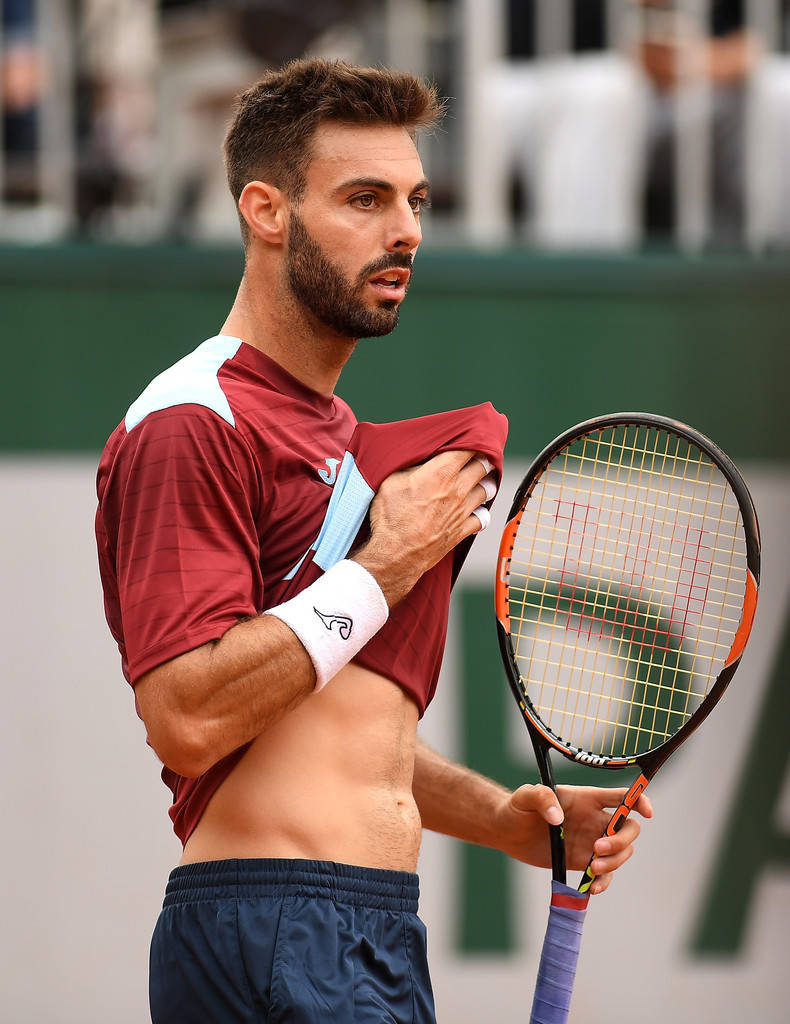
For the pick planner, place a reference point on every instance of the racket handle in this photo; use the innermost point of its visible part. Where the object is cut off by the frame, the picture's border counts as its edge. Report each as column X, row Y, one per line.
column 560, row 953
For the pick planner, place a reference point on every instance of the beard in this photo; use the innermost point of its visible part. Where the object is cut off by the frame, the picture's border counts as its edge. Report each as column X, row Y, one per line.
column 322, row 288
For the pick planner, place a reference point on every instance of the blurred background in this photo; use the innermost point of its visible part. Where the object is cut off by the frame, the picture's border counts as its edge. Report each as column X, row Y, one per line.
column 573, row 123
column 610, row 230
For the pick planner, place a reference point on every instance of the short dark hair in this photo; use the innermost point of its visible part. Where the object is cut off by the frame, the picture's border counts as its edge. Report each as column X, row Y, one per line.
column 271, row 134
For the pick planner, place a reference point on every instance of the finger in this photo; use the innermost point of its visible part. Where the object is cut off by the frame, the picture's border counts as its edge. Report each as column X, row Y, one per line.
column 476, row 522
column 614, row 845
column 601, row 884
column 611, row 852
column 454, row 460
column 611, row 798
column 627, row 833
column 541, row 800
column 612, row 848
column 490, row 486
column 484, row 491
column 606, row 865
column 475, row 470
column 483, row 515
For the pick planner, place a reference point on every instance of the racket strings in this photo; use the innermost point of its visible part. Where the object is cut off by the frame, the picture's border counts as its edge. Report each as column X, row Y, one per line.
column 626, row 587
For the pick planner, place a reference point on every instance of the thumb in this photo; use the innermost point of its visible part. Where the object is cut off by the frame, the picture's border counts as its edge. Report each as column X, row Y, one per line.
column 541, row 800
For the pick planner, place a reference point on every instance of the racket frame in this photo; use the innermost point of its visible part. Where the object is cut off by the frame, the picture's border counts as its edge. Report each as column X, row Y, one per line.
column 543, row 740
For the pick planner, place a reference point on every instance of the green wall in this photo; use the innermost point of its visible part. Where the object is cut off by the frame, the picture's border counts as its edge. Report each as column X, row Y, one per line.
column 550, row 340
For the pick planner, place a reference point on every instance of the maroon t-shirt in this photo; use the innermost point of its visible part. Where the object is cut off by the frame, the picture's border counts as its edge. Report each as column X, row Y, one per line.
column 229, row 487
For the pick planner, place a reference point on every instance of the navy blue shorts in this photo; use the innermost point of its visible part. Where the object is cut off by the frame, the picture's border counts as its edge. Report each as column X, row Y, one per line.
column 300, row 941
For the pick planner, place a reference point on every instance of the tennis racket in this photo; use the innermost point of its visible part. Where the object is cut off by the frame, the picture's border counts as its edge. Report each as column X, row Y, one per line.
column 625, row 593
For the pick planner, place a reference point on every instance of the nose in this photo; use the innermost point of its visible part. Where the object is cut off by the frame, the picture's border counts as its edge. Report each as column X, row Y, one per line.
column 404, row 231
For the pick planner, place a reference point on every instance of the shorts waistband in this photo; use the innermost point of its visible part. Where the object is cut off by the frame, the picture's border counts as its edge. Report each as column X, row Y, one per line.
column 254, row 878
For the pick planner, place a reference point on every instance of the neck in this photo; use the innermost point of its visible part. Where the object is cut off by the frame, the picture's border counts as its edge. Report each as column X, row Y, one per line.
column 272, row 321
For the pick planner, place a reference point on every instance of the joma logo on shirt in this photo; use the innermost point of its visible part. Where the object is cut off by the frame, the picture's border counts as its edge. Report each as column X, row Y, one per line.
column 329, row 475
column 343, row 622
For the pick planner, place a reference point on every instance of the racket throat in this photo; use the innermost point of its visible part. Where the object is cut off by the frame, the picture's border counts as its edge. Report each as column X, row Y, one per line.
column 557, row 840
column 556, row 833
column 616, row 822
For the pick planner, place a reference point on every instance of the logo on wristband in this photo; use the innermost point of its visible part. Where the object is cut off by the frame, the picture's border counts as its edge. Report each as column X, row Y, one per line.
column 343, row 622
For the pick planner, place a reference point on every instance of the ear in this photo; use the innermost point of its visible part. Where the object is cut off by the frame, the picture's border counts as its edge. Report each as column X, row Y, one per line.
column 264, row 208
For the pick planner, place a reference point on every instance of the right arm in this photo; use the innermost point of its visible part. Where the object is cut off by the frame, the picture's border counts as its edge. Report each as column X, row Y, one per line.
column 204, row 704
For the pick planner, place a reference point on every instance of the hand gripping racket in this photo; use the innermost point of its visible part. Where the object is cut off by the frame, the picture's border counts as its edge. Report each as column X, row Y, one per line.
column 625, row 593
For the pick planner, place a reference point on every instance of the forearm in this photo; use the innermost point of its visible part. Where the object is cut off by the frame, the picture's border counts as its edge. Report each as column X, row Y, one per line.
column 212, row 700
column 206, row 703
column 459, row 802
column 455, row 800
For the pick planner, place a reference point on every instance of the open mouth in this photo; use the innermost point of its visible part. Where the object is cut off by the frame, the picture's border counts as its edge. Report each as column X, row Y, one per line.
column 394, row 278
column 391, row 283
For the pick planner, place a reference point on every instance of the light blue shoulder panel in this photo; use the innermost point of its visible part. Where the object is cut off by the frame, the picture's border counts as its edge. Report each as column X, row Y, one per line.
column 190, row 381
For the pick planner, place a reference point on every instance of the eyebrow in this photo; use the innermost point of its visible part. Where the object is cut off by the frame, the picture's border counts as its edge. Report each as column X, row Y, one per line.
column 378, row 183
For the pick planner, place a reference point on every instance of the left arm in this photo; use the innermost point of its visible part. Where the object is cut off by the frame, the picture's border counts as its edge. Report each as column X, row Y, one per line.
column 456, row 801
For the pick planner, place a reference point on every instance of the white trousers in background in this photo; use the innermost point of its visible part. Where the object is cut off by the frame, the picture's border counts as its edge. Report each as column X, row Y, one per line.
column 577, row 131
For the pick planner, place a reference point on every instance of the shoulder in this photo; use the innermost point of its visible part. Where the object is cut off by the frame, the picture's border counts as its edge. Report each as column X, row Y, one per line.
column 193, row 380
column 183, row 425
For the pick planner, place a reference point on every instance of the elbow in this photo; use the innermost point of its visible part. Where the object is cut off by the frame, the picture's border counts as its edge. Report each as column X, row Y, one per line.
column 179, row 732
column 181, row 745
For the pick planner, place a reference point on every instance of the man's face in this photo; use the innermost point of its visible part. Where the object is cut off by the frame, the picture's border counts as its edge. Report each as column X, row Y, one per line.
column 353, row 237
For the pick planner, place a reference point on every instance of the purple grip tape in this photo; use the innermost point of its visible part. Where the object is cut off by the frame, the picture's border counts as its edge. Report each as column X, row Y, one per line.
column 560, row 952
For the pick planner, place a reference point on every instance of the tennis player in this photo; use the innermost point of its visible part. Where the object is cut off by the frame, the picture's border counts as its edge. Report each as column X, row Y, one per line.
column 277, row 578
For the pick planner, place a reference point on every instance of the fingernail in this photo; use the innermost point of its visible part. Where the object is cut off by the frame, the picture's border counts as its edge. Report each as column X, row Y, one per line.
column 554, row 816
column 487, row 466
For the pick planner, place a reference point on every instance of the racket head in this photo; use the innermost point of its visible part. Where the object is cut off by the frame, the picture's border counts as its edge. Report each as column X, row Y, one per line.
column 626, row 586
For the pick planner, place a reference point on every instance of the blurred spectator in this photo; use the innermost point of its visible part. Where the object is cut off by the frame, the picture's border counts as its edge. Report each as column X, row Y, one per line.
column 594, row 133
column 726, row 54
column 280, row 30
column 115, row 116
column 570, row 129
column 274, row 30
column 211, row 52
column 23, row 75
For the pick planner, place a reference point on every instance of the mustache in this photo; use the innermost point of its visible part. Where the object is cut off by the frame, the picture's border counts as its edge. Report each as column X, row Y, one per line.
column 392, row 261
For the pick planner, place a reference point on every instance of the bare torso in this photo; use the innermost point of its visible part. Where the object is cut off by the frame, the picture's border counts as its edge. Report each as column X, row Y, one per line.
column 332, row 780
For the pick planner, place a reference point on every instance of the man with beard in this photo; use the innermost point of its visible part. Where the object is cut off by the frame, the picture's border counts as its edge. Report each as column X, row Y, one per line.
column 282, row 619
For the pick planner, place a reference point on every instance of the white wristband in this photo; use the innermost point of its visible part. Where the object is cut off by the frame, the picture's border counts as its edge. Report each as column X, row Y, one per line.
column 335, row 617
